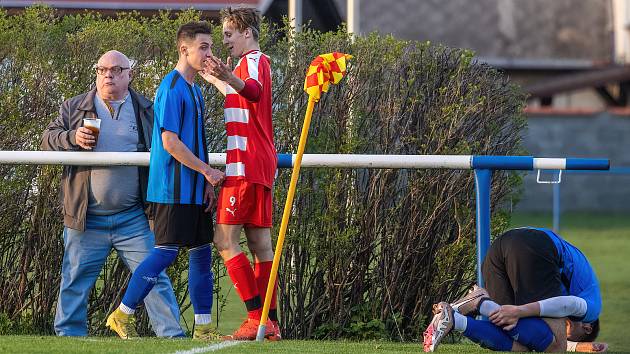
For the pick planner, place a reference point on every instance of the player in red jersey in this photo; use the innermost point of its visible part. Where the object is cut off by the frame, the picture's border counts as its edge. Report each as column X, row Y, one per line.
column 245, row 198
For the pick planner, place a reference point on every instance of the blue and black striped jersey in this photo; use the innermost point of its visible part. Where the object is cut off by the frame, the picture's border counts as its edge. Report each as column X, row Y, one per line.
column 179, row 108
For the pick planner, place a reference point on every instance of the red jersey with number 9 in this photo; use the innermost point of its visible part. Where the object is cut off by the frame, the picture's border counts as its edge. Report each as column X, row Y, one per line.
column 251, row 154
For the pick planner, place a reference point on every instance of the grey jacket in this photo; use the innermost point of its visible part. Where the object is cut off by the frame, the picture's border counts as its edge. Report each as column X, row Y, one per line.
column 60, row 136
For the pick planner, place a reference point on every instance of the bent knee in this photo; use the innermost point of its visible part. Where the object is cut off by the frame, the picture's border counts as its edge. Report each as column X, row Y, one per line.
column 224, row 244
column 259, row 245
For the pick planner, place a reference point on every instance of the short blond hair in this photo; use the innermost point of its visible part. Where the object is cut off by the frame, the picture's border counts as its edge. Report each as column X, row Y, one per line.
column 242, row 18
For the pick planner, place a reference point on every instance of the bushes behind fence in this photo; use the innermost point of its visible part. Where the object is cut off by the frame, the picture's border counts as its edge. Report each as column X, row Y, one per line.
column 367, row 252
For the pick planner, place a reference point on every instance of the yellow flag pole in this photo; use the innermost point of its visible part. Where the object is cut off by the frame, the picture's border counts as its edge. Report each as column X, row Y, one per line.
column 260, row 336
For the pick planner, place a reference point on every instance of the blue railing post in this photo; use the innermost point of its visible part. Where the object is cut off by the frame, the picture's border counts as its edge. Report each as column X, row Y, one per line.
column 556, row 207
column 483, row 178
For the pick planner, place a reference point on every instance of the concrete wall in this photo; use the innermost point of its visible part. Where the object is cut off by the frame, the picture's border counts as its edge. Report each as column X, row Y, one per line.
column 601, row 135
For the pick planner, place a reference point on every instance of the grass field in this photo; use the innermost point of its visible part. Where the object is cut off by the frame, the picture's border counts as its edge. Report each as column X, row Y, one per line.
column 604, row 239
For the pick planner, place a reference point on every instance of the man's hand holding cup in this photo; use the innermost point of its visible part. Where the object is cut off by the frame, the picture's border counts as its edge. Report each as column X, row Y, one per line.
column 87, row 135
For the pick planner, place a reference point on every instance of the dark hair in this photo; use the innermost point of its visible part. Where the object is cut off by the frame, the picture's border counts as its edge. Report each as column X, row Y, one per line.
column 587, row 337
column 190, row 30
column 243, row 18
column 590, row 337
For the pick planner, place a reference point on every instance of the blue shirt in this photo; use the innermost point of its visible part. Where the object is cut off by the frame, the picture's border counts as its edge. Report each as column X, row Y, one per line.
column 178, row 108
column 578, row 277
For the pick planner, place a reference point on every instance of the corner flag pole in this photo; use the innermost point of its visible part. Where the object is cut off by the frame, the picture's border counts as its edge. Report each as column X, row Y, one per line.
column 325, row 69
column 285, row 220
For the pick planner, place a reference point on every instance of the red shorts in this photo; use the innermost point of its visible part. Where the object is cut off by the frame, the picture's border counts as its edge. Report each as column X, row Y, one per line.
column 244, row 203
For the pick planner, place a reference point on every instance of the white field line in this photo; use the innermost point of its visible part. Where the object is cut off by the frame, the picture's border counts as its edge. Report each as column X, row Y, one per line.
column 211, row 348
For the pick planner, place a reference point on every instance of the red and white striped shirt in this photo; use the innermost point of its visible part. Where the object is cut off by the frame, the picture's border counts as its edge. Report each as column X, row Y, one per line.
column 251, row 154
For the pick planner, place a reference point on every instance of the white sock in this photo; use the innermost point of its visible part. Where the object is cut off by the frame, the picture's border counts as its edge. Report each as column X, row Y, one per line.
column 203, row 318
column 460, row 322
column 125, row 309
column 487, row 307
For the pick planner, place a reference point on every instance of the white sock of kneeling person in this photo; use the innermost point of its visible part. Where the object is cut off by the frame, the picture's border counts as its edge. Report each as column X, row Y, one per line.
column 487, row 307
column 460, row 323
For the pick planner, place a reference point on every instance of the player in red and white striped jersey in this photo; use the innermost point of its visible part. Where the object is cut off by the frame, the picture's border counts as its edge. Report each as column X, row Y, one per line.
column 245, row 197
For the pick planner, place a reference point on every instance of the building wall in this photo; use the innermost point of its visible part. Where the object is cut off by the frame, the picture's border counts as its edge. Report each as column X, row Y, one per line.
column 532, row 29
column 602, row 135
column 586, row 99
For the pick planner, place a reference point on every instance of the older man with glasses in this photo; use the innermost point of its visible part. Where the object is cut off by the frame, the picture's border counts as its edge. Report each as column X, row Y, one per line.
column 104, row 207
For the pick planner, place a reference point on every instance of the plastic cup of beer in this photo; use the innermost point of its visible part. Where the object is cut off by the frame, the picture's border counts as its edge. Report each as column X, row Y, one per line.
column 93, row 124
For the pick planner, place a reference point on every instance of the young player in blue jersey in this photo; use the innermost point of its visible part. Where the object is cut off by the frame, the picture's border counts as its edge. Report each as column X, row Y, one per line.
column 571, row 274
column 180, row 187
column 533, row 273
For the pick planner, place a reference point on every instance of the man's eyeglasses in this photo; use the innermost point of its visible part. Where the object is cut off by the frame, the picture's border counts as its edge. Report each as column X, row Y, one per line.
column 115, row 70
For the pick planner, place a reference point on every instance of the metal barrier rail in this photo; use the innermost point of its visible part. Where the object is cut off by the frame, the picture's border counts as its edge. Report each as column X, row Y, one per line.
column 483, row 167
column 463, row 162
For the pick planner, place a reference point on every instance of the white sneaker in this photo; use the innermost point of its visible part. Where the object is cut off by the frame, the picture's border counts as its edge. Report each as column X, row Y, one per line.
column 440, row 326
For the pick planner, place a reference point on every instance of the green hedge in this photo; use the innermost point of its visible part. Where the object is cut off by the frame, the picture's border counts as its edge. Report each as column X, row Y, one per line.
column 367, row 252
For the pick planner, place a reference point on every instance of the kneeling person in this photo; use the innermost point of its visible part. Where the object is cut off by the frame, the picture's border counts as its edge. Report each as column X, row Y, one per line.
column 528, row 334
column 531, row 272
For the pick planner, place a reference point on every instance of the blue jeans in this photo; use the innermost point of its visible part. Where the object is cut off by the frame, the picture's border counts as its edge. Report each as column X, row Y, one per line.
column 84, row 255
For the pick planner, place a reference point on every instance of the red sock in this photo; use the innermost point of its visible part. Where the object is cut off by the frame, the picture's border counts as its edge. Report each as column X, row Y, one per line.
column 242, row 275
column 262, row 272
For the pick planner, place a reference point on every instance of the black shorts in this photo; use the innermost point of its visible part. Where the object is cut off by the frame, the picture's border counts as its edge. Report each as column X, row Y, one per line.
column 181, row 225
column 522, row 266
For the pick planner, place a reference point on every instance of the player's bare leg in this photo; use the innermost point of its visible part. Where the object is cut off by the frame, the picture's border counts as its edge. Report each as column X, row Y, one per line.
column 226, row 240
